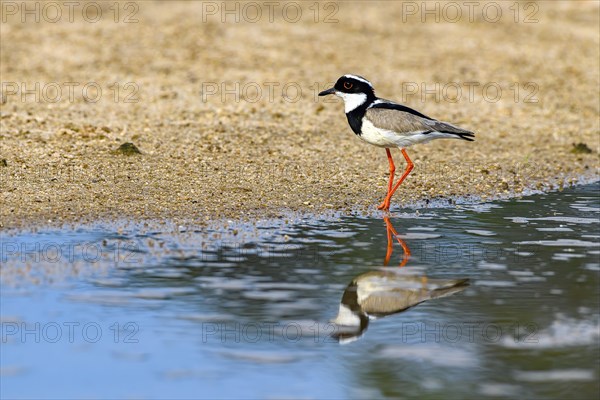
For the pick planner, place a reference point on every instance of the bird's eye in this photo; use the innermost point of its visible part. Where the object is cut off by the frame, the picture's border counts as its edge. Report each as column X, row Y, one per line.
column 347, row 85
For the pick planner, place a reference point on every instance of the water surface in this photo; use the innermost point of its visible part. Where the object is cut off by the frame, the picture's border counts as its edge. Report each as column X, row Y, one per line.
column 149, row 313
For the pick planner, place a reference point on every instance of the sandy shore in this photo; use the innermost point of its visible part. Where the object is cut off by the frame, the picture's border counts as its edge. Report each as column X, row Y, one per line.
column 228, row 123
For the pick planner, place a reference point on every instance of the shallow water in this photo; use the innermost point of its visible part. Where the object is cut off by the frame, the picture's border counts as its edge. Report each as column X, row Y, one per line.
column 146, row 313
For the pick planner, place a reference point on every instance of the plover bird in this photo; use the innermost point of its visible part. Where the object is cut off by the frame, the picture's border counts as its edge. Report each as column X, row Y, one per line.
column 384, row 292
column 386, row 124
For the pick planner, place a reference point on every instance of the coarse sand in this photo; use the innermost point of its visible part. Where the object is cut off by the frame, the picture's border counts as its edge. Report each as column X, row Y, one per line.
column 228, row 124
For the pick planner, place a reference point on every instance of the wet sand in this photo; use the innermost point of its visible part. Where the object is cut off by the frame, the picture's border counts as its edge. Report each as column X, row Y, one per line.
column 229, row 126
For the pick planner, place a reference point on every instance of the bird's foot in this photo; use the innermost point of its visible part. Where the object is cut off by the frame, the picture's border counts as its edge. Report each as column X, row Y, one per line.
column 385, row 205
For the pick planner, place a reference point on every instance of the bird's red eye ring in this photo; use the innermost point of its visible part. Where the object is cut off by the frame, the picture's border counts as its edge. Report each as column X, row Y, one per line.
column 347, row 85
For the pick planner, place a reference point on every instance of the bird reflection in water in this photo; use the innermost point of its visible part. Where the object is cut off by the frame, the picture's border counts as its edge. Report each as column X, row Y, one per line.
column 392, row 234
column 387, row 291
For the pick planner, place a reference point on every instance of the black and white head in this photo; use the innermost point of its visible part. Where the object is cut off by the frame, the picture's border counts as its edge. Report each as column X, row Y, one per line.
column 354, row 90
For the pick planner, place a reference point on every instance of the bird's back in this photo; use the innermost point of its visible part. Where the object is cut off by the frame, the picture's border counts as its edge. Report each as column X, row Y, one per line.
column 405, row 121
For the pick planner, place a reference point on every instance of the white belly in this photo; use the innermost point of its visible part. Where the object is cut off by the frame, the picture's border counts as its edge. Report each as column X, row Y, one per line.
column 386, row 138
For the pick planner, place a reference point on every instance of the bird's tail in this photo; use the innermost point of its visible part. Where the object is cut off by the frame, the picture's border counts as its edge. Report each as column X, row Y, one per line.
column 450, row 287
column 465, row 135
column 452, row 131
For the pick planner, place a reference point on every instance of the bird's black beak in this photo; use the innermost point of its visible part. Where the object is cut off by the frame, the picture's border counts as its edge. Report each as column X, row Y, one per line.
column 326, row 92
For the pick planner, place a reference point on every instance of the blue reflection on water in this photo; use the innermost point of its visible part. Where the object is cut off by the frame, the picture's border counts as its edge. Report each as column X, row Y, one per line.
column 191, row 313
